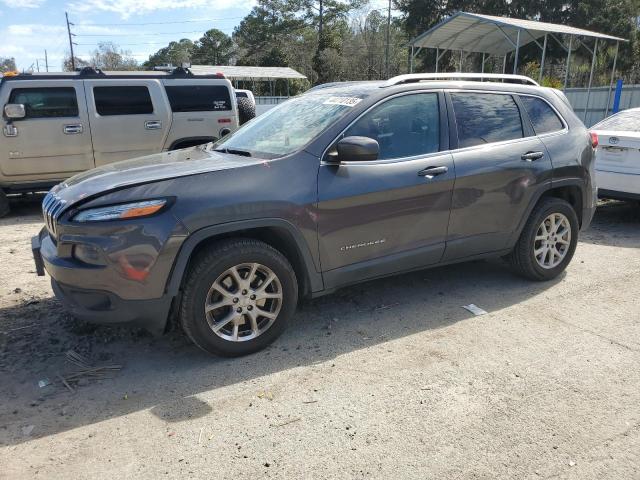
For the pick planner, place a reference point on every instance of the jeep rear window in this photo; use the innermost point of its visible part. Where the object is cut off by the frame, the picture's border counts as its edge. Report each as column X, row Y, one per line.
column 542, row 116
column 199, row 98
column 47, row 102
column 289, row 126
column 486, row 118
column 131, row 100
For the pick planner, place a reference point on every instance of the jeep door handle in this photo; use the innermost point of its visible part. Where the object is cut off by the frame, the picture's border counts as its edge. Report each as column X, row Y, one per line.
column 431, row 172
column 72, row 129
column 532, row 156
column 153, row 124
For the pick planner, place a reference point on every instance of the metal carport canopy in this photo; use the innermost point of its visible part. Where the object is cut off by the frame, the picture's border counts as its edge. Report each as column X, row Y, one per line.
column 473, row 32
column 237, row 72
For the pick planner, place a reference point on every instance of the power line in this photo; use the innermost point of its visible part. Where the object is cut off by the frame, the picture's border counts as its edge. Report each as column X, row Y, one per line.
column 204, row 20
column 133, row 34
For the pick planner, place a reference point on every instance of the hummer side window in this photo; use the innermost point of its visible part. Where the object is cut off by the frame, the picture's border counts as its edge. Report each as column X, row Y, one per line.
column 131, row 100
column 49, row 102
column 485, row 118
column 199, row 98
column 404, row 126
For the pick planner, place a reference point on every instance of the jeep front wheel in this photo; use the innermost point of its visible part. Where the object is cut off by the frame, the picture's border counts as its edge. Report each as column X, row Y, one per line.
column 238, row 297
column 547, row 242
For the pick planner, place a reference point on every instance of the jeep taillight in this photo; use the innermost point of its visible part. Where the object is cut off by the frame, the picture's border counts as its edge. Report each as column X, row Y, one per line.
column 594, row 139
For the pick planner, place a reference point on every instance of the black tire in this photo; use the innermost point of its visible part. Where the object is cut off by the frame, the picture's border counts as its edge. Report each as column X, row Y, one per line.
column 4, row 204
column 522, row 258
column 246, row 110
column 207, row 267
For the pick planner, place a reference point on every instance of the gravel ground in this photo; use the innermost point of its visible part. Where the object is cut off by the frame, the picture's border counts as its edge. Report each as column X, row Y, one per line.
column 390, row 379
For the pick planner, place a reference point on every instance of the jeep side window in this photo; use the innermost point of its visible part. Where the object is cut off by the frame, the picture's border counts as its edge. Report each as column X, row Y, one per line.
column 404, row 126
column 48, row 102
column 485, row 118
column 542, row 116
column 132, row 100
column 199, row 98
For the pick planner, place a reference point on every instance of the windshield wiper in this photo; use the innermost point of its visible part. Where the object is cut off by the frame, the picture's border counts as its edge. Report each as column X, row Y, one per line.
column 233, row 151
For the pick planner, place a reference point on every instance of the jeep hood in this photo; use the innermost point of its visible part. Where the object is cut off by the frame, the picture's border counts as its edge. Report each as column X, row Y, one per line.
column 148, row 169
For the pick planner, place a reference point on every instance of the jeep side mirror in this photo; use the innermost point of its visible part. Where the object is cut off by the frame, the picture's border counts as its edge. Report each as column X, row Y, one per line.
column 357, row 149
column 14, row 111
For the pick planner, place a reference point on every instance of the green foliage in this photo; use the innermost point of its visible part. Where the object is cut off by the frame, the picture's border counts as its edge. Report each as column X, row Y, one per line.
column 176, row 53
column 553, row 82
column 213, row 48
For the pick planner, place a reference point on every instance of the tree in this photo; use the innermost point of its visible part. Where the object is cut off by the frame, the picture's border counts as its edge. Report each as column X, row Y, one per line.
column 7, row 64
column 67, row 65
column 213, row 48
column 108, row 56
column 176, row 53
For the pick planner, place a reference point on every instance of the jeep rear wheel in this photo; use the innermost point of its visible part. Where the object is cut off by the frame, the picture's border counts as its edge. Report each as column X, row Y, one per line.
column 238, row 297
column 547, row 242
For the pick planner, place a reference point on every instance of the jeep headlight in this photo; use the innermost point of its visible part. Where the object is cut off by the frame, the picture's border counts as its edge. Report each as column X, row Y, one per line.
column 120, row 212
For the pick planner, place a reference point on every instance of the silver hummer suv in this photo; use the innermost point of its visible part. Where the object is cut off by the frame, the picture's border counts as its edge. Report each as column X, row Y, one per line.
column 57, row 125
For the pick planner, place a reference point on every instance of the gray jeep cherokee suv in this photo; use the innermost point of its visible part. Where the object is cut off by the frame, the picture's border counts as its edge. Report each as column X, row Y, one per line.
column 337, row 186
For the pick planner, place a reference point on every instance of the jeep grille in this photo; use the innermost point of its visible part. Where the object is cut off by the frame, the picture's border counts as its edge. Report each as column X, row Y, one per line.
column 52, row 207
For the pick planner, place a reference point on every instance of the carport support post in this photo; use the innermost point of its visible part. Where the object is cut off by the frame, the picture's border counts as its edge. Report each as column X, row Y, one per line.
column 613, row 75
column 437, row 58
column 544, row 54
column 482, row 70
column 288, row 94
column 411, row 60
column 460, row 61
column 515, row 62
column 593, row 65
column 504, row 64
column 566, row 73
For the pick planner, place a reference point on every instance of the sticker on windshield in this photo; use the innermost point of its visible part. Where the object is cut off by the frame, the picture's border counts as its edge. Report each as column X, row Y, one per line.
column 346, row 101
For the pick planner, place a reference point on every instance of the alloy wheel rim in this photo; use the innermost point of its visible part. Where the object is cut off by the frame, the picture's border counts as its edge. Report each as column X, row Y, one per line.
column 552, row 241
column 243, row 302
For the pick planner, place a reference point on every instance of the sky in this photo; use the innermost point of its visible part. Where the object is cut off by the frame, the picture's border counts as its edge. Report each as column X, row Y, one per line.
column 141, row 27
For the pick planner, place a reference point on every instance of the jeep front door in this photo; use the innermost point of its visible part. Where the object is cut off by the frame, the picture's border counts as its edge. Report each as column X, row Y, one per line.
column 390, row 214
column 52, row 141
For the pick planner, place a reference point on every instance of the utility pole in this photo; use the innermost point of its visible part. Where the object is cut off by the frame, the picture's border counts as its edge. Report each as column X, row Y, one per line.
column 388, row 37
column 73, row 58
column 46, row 60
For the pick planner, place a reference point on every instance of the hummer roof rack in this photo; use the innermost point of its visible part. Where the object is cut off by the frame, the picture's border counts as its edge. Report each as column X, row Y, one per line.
column 493, row 77
column 90, row 72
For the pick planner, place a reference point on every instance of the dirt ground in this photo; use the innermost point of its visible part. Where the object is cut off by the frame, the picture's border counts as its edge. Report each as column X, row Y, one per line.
column 390, row 379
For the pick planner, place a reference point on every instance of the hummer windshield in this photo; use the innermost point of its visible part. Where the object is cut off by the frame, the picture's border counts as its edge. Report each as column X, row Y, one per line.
column 289, row 126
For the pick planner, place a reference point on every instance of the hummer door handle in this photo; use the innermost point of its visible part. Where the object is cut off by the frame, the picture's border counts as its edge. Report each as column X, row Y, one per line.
column 72, row 129
column 153, row 124
column 10, row 130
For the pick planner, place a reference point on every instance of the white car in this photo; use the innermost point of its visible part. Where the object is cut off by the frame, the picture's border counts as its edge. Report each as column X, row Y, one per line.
column 618, row 155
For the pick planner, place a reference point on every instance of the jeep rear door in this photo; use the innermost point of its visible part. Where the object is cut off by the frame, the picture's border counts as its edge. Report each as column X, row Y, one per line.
column 388, row 215
column 129, row 117
column 53, row 141
column 501, row 165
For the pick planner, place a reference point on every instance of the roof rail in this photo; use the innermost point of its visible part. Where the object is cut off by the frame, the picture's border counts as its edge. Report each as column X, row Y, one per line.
column 493, row 77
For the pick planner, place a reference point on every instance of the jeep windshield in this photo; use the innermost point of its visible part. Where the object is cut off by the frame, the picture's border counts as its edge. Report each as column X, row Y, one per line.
column 288, row 127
